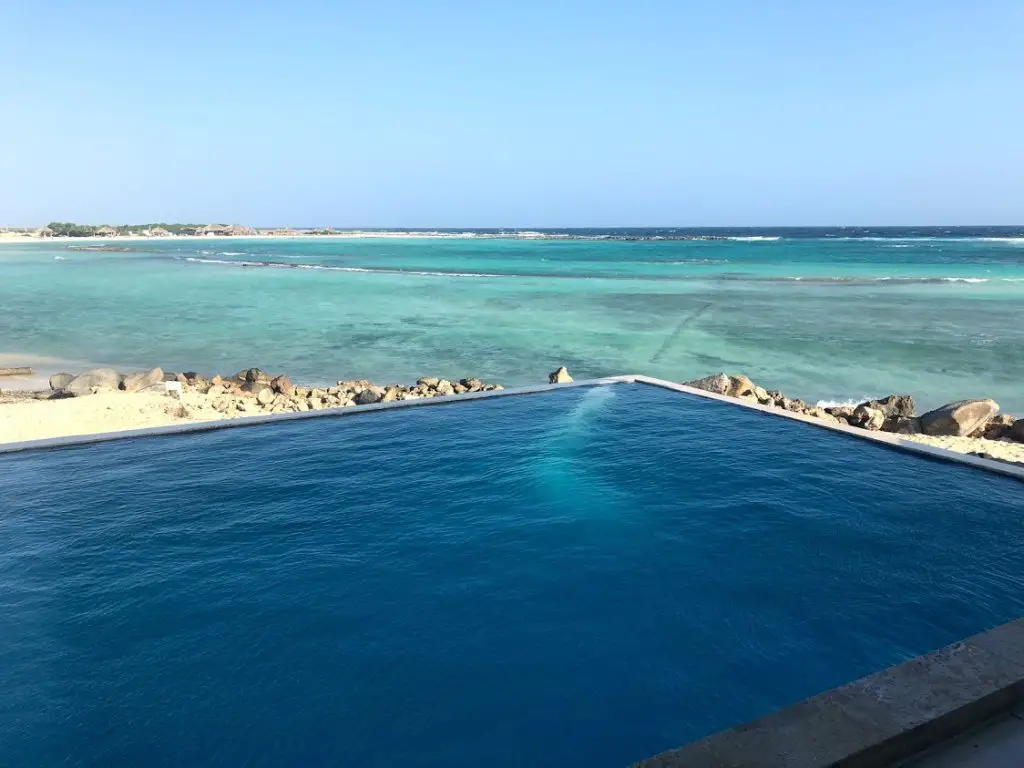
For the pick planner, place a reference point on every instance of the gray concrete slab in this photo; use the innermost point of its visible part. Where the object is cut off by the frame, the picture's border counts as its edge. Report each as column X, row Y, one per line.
column 880, row 720
column 999, row 744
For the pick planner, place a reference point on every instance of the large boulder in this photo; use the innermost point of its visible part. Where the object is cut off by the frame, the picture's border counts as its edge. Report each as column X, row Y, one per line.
column 370, row 395
column 197, row 381
column 444, row 387
column 253, row 375
column 560, row 376
column 136, row 382
column 997, row 428
column 960, row 418
column 283, row 385
column 903, row 425
column 867, row 417
column 60, row 380
column 720, row 384
column 740, row 386
column 428, row 381
column 894, row 406
column 1017, row 431
column 99, row 378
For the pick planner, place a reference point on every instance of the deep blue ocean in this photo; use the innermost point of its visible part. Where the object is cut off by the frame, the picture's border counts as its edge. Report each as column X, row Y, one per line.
column 584, row 577
column 823, row 314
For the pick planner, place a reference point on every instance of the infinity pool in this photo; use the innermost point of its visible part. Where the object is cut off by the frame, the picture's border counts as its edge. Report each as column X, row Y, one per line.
column 581, row 577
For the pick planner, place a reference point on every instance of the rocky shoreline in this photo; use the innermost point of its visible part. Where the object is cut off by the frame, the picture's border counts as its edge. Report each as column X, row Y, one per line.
column 968, row 426
column 250, row 391
column 966, row 420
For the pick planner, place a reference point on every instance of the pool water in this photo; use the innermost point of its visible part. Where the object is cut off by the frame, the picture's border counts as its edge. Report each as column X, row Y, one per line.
column 582, row 577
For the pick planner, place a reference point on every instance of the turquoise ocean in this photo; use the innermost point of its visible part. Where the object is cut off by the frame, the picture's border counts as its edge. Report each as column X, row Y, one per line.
column 838, row 314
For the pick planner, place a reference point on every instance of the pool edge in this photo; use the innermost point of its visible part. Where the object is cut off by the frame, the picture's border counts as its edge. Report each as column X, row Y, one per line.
column 886, row 439
column 253, row 421
column 882, row 438
column 883, row 719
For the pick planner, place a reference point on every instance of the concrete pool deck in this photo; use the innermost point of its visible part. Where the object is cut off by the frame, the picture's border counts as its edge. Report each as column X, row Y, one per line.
column 908, row 715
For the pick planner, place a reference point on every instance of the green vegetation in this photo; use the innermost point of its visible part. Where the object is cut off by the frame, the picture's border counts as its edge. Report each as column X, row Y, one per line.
column 70, row 229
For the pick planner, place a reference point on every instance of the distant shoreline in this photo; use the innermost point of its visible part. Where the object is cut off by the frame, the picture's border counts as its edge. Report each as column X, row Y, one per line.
column 371, row 234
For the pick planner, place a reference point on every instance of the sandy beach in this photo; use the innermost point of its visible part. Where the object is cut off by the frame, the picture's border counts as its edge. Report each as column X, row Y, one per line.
column 97, row 414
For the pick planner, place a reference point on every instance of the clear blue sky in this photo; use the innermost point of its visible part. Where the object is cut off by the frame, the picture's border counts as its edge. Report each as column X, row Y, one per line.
column 527, row 113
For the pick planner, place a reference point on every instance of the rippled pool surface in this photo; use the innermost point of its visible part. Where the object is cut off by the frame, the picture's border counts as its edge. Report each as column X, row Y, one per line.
column 583, row 577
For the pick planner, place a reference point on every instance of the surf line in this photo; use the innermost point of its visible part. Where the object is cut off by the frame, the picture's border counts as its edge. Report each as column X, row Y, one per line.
column 671, row 338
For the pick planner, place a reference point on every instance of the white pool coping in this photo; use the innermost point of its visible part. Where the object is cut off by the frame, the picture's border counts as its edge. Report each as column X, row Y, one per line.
column 884, row 438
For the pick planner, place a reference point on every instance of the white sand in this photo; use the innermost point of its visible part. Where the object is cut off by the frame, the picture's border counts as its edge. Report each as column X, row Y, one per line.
column 1000, row 449
column 96, row 414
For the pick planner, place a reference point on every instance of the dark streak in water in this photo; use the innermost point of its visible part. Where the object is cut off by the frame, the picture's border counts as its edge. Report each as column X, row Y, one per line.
column 671, row 339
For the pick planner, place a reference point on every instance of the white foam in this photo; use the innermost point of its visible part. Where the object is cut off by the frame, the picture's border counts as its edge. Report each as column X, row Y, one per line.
column 755, row 238
column 842, row 403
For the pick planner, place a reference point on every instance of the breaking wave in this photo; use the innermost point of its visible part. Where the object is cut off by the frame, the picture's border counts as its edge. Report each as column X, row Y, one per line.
column 327, row 268
column 726, row 276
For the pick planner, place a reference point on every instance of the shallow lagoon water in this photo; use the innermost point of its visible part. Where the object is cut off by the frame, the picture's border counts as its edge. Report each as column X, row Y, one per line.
column 586, row 576
column 817, row 314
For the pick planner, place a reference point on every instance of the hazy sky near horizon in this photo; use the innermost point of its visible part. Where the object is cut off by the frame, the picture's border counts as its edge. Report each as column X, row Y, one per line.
column 450, row 113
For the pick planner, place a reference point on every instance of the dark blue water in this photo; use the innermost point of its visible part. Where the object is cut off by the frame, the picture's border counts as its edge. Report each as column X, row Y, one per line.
column 578, row 578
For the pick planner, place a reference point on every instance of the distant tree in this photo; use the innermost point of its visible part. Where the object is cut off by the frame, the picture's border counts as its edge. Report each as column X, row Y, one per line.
column 70, row 229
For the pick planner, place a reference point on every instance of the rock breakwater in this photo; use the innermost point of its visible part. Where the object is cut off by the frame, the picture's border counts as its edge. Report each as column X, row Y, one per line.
column 248, row 392
column 954, row 425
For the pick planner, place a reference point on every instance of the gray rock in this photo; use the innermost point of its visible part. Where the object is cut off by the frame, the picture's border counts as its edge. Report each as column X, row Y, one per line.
column 99, row 378
column 1017, row 431
column 136, row 382
column 154, row 389
column 866, row 417
column 844, row 412
column 471, row 383
column 960, row 418
column 902, row 425
column 739, row 386
column 720, row 384
column 893, row 405
column 560, row 376
column 283, row 384
column 265, row 396
column 197, row 380
column 761, row 394
column 428, row 381
column 444, row 387
column 997, row 428
column 253, row 375
column 370, row 395
column 60, row 380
